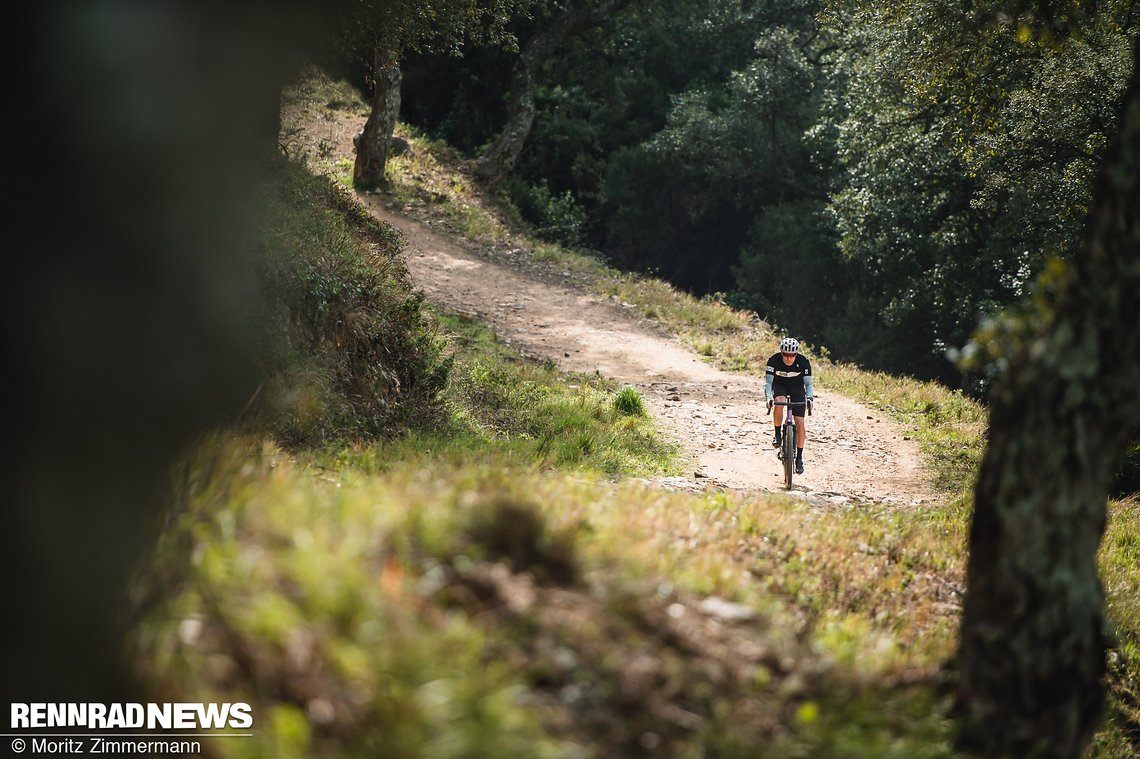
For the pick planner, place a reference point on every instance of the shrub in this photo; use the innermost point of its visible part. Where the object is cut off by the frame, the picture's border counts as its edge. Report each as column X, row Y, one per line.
column 1128, row 474
column 629, row 402
column 557, row 218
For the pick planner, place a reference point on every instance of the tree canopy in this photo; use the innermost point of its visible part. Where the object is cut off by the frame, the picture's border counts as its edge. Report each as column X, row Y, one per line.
column 874, row 178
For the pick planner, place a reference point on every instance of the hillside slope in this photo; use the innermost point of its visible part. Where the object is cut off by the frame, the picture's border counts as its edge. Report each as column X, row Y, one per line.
column 854, row 453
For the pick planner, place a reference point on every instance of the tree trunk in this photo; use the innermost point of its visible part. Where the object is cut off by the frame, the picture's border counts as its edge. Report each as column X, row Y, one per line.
column 1031, row 656
column 501, row 157
column 375, row 141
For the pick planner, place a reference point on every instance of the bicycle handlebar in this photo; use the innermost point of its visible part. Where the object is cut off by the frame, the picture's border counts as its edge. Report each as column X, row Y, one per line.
column 790, row 403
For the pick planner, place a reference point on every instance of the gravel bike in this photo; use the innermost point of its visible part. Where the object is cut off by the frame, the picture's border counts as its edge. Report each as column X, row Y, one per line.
column 787, row 450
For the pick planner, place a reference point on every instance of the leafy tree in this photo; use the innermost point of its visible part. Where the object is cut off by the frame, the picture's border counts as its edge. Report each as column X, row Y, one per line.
column 386, row 29
column 967, row 151
column 564, row 20
column 729, row 154
column 916, row 163
column 606, row 91
column 613, row 88
column 791, row 272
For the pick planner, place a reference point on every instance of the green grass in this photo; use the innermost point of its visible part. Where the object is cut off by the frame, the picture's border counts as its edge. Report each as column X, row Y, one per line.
column 501, row 405
column 629, row 402
column 1120, row 573
column 310, row 602
column 348, row 349
column 950, row 427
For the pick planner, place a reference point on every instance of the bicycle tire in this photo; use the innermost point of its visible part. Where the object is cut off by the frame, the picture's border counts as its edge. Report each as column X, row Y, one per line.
column 789, row 449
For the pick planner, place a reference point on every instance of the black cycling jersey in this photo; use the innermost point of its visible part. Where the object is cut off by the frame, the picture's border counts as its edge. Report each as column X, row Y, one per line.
column 786, row 380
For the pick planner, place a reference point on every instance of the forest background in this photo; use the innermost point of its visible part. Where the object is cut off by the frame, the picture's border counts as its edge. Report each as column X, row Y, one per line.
column 902, row 172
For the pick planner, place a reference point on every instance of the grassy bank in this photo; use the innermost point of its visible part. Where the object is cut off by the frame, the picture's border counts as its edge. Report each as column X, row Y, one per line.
column 477, row 582
column 347, row 350
column 500, row 404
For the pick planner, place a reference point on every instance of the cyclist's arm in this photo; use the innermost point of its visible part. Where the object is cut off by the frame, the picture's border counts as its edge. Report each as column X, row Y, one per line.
column 768, row 378
column 808, row 391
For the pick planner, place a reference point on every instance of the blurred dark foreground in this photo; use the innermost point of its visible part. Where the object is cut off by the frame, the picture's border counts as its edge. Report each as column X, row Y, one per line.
column 134, row 133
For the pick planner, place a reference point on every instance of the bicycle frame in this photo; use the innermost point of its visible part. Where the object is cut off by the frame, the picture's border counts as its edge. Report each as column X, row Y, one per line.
column 787, row 452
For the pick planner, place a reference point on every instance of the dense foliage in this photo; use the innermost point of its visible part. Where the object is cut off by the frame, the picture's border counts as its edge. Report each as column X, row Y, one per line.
column 874, row 178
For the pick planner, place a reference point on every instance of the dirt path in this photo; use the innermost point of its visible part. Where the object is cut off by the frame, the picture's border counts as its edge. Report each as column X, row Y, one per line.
column 852, row 454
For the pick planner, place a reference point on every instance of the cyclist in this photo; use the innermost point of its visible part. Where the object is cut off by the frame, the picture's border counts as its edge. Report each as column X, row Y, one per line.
column 788, row 378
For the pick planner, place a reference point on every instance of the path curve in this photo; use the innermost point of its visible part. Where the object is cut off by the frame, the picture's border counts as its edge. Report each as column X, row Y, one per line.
column 853, row 453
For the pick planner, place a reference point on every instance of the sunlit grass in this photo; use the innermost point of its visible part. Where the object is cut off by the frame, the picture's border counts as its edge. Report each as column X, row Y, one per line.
column 1120, row 573
column 306, row 600
column 503, row 402
column 950, row 426
column 629, row 402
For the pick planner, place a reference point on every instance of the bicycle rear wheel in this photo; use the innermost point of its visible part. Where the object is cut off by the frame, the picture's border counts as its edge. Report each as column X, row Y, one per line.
column 789, row 449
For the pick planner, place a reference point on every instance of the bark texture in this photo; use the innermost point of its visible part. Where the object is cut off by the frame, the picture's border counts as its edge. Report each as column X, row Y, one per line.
column 577, row 17
column 375, row 141
column 1031, row 656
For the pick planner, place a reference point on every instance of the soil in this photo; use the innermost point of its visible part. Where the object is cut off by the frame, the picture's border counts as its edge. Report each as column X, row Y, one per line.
column 853, row 453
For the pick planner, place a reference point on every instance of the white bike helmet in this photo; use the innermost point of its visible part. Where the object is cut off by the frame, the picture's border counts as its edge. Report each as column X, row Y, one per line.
column 789, row 345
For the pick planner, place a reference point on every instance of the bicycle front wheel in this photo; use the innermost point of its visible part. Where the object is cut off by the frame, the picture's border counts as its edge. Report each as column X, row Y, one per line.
column 789, row 456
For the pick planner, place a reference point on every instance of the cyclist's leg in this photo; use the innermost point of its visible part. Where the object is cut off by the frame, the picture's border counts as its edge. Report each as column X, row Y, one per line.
column 778, row 420
column 799, row 412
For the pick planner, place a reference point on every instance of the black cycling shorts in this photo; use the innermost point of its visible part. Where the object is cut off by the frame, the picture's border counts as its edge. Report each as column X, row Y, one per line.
column 797, row 395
